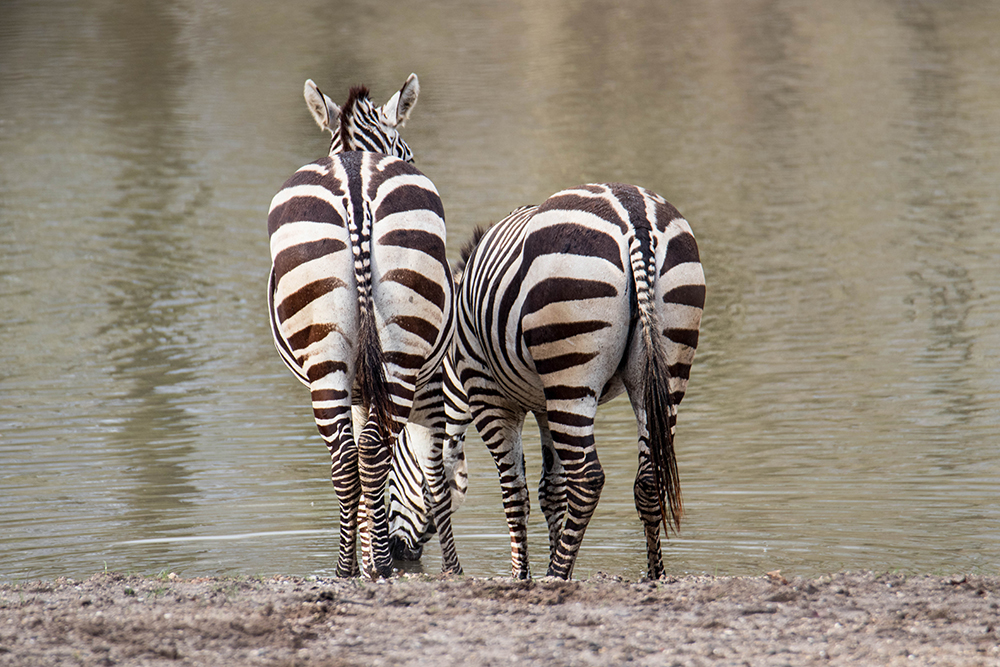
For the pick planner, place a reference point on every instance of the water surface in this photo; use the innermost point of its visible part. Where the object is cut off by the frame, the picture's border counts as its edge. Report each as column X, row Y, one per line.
column 838, row 163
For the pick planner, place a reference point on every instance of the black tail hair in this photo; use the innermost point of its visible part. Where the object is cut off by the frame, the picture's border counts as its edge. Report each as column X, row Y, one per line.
column 659, row 407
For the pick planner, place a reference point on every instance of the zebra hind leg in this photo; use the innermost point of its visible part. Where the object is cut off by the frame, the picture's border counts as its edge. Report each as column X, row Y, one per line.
column 551, row 485
column 344, row 475
column 647, row 503
column 332, row 414
column 375, row 459
column 573, row 438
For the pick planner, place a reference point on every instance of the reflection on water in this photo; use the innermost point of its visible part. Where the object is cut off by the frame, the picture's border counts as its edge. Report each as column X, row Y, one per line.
column 838, row 165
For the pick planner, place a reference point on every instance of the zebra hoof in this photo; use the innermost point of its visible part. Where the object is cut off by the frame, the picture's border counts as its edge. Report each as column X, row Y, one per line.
column 401, row 550
column 377, row 572
column 455, row 569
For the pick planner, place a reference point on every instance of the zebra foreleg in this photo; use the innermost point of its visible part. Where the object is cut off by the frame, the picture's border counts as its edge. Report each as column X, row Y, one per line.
column 428, row 444
column 500, row 429
column 551, row 485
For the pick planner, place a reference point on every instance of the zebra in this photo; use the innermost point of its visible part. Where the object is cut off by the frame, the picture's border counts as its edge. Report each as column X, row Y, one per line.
column 410, row 523
column 361, row 298
column 561, row 307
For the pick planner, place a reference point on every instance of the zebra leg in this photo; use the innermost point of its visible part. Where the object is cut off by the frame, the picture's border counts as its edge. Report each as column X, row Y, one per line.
column 428, row 444
column 551, row 485
column 647, row 503
column 375, row 459
column 359, row 418
column 335, row 428
column 647, row 495
column 500, row 429
column 572, row 429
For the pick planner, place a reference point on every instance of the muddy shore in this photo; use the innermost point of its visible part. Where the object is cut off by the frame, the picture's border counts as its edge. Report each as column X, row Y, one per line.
column 843, row 619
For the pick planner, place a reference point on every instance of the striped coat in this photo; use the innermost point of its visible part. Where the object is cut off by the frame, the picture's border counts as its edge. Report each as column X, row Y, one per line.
column 563, row 306
column 361, row 308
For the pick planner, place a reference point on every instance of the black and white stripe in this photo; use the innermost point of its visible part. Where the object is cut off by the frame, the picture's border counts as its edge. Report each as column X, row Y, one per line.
column 411, row 524
column 562, row 307
column 361, row 305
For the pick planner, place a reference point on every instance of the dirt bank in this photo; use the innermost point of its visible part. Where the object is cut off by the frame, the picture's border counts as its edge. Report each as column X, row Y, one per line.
column 844, row 619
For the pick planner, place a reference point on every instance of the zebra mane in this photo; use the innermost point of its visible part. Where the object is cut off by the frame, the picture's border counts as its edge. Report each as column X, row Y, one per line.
column 469, row 247
column 357, row 94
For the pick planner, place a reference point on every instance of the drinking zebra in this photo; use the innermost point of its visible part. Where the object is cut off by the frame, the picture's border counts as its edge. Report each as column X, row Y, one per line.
column 411, row 523
column 561, row 307
column 361, row 307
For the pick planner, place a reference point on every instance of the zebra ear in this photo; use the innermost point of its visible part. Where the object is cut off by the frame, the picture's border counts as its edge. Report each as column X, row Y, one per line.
column 399, row 106
column 322, row 108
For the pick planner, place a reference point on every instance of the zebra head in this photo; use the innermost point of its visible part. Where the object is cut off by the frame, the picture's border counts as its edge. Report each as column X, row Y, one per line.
column 361, row 126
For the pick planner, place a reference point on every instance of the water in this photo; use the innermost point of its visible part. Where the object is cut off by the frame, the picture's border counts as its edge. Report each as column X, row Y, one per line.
column 838, row 162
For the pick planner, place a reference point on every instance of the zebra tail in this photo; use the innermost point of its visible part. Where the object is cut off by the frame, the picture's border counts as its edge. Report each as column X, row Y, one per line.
column 370, row 360
column 657, row 400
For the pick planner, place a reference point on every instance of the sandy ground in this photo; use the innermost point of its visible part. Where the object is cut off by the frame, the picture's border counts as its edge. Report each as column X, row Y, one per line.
column 843, row 619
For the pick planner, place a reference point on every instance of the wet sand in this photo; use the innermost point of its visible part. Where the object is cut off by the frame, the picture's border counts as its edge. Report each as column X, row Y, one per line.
column 842, row 619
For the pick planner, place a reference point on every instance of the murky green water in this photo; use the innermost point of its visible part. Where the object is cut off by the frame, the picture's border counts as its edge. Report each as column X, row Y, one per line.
column 839, row 162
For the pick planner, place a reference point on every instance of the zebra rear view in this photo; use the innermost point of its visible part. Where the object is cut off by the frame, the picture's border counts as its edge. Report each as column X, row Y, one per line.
column 361, row 306
column 562, row 307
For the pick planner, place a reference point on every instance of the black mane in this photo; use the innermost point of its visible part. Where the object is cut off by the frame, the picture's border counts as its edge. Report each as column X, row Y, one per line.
column 469, row 247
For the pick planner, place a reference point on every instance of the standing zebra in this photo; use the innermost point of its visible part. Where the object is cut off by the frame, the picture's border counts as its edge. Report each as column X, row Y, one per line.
column 361, row 306
column 561, row 307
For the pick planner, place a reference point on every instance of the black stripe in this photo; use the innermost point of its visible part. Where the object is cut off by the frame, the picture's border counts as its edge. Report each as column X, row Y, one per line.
column 555, row 290
column 410, row 197
column 562, row 362
column 404, row 360
column 682, row 371
column 388, row 169
column 577, row 445
column 309, row 335
column 665, row 214
column 572, row 239
column 561, row 392
column 682, row 249
column 303, row 209
column 321, row 370
column 568, row 419
column 687, row 337
column 328, row 395
column 302, row 297
column 323, row 177
column 598, row 206
column 686, row 295
column 415, row 239
column 419, row 283
column 549, row 333
column 417, row 326
column 300, row 253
